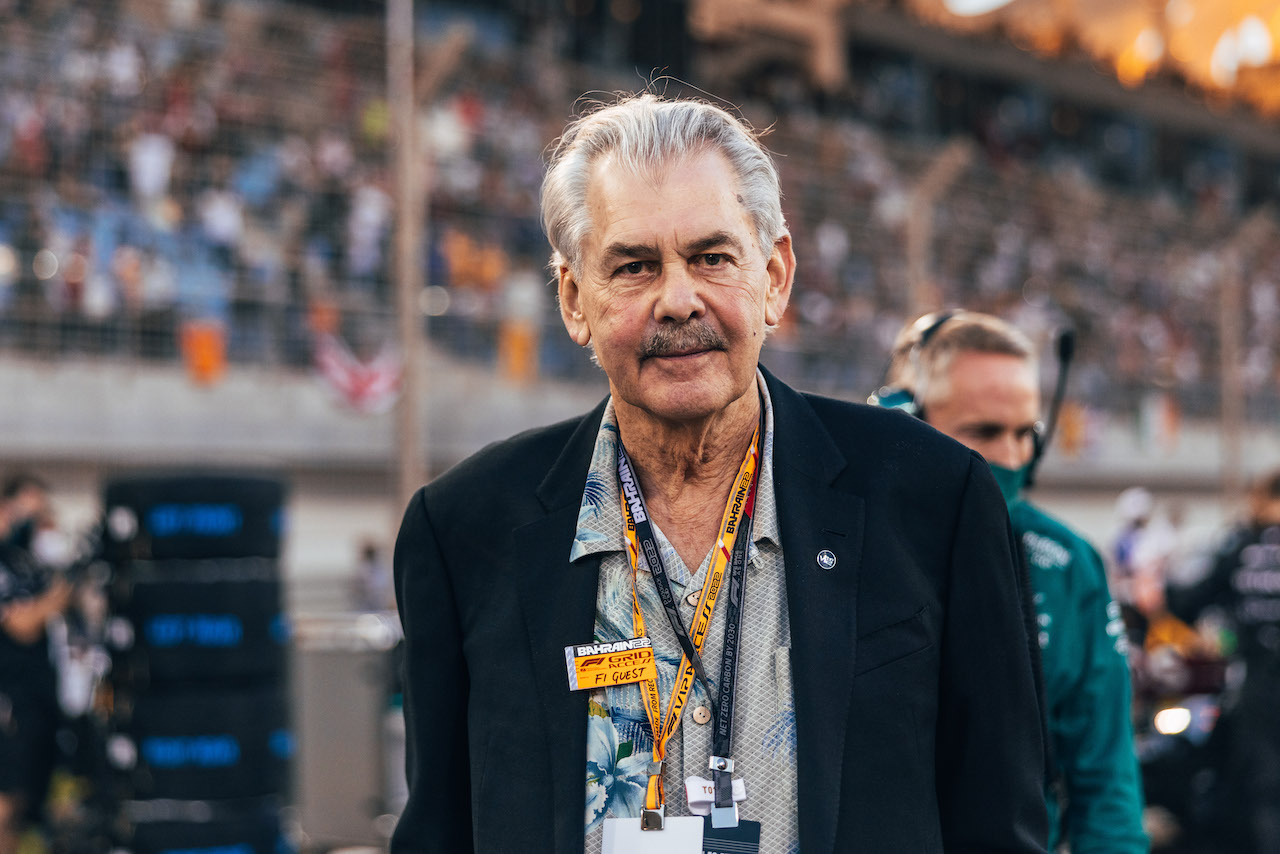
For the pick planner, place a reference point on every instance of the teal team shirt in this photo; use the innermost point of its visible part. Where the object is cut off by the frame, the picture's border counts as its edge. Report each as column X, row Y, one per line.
column 1086, row 675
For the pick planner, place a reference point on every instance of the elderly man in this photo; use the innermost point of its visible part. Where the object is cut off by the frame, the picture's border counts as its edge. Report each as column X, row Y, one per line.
column 975, row 378
column 712, row 614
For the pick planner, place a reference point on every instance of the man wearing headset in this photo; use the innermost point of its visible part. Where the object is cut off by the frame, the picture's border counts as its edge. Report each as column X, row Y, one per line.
column 975, row 378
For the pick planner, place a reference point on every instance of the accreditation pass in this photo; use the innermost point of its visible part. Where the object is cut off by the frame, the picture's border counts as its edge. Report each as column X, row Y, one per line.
column 604, row 665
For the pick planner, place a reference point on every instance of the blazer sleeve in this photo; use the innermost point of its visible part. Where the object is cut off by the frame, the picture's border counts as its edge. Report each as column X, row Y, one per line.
column 990, row 751
column 437, row 817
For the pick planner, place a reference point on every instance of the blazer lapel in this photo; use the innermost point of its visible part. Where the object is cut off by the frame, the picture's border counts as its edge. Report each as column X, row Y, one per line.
column 558, row 600
column 818, row 524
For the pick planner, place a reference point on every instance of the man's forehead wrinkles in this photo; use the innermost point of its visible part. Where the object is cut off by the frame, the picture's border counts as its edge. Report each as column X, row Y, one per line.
column 718, row 238
column 620, row 249
column 626, row 249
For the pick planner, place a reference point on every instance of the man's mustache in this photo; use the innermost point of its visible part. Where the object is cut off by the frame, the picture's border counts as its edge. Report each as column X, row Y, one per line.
column 685, row 338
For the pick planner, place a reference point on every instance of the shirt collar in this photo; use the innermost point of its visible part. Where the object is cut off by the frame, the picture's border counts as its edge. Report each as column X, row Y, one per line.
column 599, row 518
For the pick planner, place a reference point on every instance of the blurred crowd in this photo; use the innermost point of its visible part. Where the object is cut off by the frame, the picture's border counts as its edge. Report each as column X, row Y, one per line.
column 167, row 165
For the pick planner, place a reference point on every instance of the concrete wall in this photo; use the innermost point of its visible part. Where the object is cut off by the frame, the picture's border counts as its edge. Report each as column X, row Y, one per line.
column 79, row 422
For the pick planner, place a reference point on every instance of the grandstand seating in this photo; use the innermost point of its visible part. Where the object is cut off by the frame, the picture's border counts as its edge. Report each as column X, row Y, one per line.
column 167, row 163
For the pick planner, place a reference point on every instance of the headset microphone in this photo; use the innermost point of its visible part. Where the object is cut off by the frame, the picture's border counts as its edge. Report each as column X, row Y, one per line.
column 1066, row 349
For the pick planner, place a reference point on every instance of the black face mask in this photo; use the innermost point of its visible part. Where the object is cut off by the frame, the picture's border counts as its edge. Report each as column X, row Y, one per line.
column 22, row 534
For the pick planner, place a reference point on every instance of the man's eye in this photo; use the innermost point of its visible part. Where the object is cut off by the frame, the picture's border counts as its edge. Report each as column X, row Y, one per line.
column 714, row 259
column 632, row 268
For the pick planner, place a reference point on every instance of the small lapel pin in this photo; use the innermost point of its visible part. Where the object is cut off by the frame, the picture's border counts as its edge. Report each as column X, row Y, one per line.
column 826, row 559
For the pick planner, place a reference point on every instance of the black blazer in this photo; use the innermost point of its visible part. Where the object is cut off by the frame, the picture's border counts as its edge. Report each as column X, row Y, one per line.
column 918, row 726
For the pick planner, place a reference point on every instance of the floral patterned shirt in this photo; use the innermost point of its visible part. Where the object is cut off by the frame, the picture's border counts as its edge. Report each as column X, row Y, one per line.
column 619, row 738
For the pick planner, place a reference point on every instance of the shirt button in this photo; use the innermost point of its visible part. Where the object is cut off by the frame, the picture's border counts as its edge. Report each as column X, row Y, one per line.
column 692, row 599
column 701, row 715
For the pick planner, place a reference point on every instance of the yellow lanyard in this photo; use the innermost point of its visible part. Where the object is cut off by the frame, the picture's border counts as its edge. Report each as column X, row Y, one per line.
column 730, row 524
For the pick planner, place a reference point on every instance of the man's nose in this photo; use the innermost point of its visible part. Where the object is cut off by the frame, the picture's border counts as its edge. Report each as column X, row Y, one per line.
column 678, row 296
column 1010, row 451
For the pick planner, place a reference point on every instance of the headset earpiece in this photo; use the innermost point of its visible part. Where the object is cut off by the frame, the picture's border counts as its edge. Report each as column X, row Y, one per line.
column 894, row 397
column 897, row 397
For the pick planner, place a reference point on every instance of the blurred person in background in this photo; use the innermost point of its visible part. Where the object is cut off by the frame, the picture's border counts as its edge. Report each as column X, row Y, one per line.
column 1141, row 553
column 371, row 583
column 1135, row 507
column 29, row 598
column 975, row 378
column 1242, row 581
column 884, row 698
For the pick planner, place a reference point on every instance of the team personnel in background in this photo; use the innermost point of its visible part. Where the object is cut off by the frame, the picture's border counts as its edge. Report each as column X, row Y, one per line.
column 28, row 683
column 1243, row 580
column 572, row 609
column 1140, row 558
column 975, row 378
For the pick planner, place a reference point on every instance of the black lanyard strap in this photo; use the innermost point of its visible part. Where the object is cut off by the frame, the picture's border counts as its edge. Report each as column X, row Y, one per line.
column 722, row 738
column 649, row 547
column 722, row 703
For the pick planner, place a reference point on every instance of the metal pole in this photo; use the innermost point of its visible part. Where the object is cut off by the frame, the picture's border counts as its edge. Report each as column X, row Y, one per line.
column 1254, row 234
column 943, row 171
column 921, row 296
column 406, row 171
column 1231, row 332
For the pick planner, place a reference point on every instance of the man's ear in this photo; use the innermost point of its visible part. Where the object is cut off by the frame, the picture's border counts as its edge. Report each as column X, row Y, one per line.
column 781, row 269
column 575, row 320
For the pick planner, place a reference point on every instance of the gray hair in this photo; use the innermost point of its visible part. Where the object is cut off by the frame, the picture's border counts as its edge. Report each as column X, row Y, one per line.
column 926, row 347
column 647, row 133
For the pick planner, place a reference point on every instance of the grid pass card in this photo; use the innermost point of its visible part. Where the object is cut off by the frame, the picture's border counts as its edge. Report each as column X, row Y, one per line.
column 611, row 663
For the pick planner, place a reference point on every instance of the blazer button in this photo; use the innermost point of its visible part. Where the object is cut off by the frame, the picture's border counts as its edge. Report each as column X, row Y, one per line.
column 701, row 715
column 692, row 598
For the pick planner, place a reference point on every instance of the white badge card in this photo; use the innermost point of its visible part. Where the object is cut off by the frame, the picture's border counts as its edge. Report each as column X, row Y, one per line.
column 679, row 835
